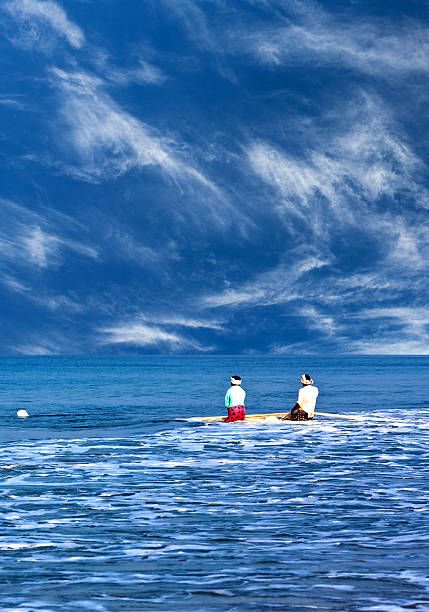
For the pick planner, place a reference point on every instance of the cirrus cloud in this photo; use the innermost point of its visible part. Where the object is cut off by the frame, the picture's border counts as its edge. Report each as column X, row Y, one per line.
column 35, row 13
column 143, row 335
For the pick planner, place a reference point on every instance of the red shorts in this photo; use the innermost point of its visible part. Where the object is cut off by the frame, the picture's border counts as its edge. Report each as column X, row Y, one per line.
column 235, row 413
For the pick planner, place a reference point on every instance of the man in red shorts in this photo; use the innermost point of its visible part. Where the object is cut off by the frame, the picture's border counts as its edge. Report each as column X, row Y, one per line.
column 234, row 401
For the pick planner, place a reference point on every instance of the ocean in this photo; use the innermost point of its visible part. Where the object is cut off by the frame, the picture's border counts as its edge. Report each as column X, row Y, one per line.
column 111, row 501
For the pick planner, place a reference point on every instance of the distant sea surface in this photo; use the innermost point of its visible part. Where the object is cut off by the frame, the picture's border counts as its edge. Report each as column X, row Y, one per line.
column 111, row 501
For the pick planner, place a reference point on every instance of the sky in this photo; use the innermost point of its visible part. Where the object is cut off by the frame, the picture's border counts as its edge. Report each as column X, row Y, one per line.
column 214, row 176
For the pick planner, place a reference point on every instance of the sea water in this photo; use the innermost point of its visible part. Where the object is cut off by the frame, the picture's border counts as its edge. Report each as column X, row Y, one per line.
column 110, row 500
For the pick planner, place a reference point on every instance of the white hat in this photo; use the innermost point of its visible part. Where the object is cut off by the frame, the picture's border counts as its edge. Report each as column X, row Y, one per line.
column 235, row 381
column 305, row 380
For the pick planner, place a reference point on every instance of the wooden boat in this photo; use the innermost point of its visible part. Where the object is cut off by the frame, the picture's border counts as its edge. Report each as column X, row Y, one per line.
column 277, row 417
column 274, row 416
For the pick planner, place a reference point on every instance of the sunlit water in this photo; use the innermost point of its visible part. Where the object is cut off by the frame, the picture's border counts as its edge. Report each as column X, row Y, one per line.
column 110, row 500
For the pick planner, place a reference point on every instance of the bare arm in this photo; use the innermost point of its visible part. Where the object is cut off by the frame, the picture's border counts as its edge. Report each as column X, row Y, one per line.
column 288, row 416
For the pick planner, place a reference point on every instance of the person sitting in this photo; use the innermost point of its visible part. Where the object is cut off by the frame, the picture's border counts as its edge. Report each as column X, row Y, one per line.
column 306, row 404
column 234, row 401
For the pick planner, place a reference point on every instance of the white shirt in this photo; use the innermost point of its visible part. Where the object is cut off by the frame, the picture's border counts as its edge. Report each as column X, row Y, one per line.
column 235, row 396
column 307, row 398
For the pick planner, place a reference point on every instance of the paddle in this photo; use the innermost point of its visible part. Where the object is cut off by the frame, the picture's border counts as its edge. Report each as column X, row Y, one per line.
column 343, row 416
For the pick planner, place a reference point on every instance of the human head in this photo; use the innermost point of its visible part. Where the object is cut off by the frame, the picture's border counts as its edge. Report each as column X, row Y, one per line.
column 306, row 379
column 235, row 380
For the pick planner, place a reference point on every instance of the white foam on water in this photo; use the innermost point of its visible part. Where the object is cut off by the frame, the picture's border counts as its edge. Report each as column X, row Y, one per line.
column 336, row 587
column 135, row 484
column 21, row 546
column 12, row 517
column 192, row 446
column 89, row 605
column 23, row 608
column 382, row 607
column 416, row 578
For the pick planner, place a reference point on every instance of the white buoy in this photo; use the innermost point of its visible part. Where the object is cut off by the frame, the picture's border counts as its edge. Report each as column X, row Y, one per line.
column 22, row 414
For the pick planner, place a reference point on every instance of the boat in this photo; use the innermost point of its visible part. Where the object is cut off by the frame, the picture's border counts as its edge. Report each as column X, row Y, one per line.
column 277, row 417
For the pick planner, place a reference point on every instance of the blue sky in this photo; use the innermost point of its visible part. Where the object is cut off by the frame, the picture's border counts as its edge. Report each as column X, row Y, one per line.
column 185, row 176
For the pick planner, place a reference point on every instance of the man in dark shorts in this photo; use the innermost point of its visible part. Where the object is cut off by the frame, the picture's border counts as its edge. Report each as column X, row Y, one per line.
column 304, row 407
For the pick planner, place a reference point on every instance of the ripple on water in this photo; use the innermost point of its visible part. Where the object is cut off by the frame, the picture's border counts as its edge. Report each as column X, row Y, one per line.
column 219, row 518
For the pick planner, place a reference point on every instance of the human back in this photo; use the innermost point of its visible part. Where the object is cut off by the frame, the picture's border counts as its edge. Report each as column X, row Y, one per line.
column 234, row 401
column 307, row 397
column 306, row 403
column 236, row 396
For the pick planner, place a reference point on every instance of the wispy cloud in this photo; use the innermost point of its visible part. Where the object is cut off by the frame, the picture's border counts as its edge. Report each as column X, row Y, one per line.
column 37, row 350
column 28, row 239
column 140, row 68
column 39, row 247
column 276, row 286
column 325, row 323
column 145, row 73
column 343, row 184
column 194, row 19
column 401, row 345
column 109, row 140
column 33, row 15
column 12, row 100
column 128, row 248
column 410, row 243
column 182, row 321
column 397, row 331
column 331, row 192
column 297, row 348
column 46, row 342
column 59, row 302
column 373, row 331
column 304, row 33
column 415, row 319
column 313, row 35
column 355, row 178
column 343, row 168
column 44, row 298
column 209, row 34
column 326, row 329
column 33, row 245
column 142, row 335
column 14, row 284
